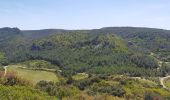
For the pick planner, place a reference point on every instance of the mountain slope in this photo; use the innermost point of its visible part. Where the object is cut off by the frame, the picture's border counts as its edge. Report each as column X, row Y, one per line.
column 118, row 50
column 152, row 40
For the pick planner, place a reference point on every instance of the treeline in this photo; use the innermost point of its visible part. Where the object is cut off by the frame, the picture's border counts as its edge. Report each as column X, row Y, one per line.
column 3, row 61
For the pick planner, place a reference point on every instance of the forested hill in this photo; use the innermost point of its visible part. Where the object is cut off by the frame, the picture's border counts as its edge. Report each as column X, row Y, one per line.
column 154, row 40
column 35, row 34
column 7, row 33
column 114, row 50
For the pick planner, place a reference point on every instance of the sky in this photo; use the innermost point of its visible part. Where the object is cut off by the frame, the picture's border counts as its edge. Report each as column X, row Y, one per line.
column 84, row 14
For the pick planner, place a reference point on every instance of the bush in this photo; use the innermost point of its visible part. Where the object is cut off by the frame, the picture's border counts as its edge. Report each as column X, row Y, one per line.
column 152, row 96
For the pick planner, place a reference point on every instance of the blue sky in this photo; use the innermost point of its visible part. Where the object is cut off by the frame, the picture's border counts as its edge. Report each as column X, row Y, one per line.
column 84, row 14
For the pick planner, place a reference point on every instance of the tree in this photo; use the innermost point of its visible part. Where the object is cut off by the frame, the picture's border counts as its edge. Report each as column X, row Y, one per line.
column 3, row 59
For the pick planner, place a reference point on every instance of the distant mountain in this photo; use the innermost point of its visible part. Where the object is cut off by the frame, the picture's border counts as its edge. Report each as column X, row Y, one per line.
column 35, row 34
column 7, row 33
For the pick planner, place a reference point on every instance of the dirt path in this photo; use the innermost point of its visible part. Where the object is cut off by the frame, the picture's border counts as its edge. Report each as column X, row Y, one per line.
column 5, row 67
column 162, row 79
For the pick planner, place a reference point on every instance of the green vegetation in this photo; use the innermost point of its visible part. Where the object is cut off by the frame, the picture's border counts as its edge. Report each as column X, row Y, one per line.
column 39, row 64
column 105, row 63
column 33, row 76
column 78, row 52
column 167, row 83
column 165, row 69
column 80, row 76
column 87, row 50
column 59, row 90
column 3, row 60
column 22, row 93
column 114, row 86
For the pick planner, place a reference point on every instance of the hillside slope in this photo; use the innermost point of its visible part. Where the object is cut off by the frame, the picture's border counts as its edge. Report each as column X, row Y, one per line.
column 118, row 50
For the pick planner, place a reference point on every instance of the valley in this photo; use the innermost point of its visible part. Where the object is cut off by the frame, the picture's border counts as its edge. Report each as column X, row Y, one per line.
column 115, row 63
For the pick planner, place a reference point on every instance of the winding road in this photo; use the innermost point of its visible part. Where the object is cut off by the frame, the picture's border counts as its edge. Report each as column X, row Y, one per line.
column 162, row 79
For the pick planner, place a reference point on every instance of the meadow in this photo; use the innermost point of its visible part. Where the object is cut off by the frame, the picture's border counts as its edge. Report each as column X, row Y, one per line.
column 33, row 76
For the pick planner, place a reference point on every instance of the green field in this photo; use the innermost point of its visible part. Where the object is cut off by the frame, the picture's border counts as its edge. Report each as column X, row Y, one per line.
column 33, row 75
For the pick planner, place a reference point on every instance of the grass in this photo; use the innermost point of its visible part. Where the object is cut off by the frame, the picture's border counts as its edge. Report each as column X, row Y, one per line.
column 23, row 93
column 33, row 75
column 167, row 82
column 80, row 76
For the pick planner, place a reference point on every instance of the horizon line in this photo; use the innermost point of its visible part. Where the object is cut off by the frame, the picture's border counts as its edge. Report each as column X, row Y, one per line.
column 88, row 28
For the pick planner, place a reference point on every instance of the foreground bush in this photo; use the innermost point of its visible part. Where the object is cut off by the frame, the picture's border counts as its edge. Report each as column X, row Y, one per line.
column 22, row 93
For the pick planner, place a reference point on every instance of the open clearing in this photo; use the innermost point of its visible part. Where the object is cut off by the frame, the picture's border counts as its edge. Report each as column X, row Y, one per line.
column 33, row 75
column 80, row 76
